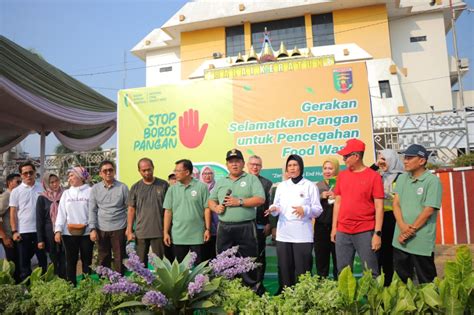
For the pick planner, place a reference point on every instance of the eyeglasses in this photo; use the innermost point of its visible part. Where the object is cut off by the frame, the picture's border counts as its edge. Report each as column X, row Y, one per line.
column 108, row 170
column 255, row 165
column 206, row 173
column 28, row 173
column 345, row 157
column 178, row 171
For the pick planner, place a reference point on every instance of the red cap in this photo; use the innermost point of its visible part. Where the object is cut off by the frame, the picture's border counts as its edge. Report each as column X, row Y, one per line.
column 352, row 145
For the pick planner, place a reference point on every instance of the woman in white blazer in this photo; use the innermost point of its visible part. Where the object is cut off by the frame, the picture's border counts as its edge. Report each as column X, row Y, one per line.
column 296, row 203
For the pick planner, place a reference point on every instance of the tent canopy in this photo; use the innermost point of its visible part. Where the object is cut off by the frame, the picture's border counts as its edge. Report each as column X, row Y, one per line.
column 37, row 97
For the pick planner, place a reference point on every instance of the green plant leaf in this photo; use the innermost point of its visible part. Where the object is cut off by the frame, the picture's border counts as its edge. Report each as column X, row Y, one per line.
column 404, row 302
column 430, row 296
column 464, row 261
column 452, row 273
column 5, row 266
column 347, row 285
column 202, row 304
column 35, row 275
column 184, row 264
column 363, row 285
column 49, row 275
column 174, row 270
column 388, row 299
column 128, row 304
column 451, row 303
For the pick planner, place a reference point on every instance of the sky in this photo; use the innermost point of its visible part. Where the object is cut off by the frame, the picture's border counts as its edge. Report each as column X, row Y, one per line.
column 85, row 38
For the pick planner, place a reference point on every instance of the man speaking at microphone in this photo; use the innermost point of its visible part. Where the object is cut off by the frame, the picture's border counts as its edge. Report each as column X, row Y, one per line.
column 235, row 199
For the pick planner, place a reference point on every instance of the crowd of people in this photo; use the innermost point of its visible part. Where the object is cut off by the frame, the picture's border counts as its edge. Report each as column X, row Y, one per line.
column 385, row 213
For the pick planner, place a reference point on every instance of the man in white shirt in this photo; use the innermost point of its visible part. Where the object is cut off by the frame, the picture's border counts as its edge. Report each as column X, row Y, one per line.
column 23, row 220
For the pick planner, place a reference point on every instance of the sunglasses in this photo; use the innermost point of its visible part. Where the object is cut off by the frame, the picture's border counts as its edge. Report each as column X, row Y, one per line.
column 28, row 173
column 345, row 157
column 108, row 170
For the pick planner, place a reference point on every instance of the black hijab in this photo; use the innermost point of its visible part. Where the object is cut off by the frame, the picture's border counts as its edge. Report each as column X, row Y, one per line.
column 299, row 160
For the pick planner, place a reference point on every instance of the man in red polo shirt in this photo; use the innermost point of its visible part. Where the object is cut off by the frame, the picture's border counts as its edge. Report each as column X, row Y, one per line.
column 358, row 210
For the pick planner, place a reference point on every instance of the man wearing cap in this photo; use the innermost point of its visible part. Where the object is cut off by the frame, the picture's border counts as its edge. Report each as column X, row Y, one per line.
column 186, row 208
column 358, row 210
column 235, row 199
column 415, row 207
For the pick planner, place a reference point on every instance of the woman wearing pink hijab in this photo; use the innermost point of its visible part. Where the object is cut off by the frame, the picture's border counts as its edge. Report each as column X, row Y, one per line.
column 46, row 213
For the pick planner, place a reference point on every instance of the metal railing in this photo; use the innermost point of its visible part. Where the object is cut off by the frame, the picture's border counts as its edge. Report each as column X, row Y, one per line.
column 447, row 134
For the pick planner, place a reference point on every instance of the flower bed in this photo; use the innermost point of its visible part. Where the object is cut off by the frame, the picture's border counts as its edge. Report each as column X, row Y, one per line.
column 173, row 288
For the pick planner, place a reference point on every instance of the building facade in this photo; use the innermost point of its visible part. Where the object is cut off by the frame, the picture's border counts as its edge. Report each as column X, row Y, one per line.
column 403, row 44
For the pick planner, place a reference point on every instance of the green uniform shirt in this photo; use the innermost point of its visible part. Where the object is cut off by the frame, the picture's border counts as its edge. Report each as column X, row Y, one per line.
column 246, row 186
column 414, row 195
column 187, row 203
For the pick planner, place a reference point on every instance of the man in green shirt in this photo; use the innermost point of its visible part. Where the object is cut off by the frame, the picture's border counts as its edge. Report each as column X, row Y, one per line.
column 415, row 207
column 187, row 212
column 235, row 199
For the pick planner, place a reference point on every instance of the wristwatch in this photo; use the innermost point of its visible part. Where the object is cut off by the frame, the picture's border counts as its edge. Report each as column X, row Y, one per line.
column 241, row 202
column 378, row 233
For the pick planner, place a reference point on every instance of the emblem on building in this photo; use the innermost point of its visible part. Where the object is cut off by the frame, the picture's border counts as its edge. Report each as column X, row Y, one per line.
column 342, row 79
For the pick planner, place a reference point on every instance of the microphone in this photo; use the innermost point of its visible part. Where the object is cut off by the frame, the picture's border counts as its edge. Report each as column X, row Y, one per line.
column 228, row 193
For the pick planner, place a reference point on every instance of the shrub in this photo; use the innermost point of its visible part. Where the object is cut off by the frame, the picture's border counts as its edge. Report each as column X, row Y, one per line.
column 54, row 297
column 14, row 299
column 464, row 160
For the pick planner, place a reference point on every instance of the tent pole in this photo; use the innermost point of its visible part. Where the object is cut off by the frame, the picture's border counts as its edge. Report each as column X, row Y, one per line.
column 42, row 151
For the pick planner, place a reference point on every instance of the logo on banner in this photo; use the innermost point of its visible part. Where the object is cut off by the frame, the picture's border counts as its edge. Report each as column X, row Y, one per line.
column 342, row 79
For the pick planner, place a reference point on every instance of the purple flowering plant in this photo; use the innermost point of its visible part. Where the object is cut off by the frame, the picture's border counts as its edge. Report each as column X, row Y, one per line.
column 173, row 287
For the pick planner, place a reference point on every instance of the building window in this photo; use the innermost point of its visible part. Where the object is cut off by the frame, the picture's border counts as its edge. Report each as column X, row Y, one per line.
column 415, row 39
column 323, row 29
column 291, row 32
column 385, row 91
column 166, row 69
column 234, row 41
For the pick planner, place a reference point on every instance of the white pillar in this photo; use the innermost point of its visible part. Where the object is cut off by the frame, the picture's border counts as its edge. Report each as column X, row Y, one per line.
column 42, row 152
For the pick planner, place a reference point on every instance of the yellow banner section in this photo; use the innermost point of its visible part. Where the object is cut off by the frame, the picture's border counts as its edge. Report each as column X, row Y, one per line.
column 310, row 112
column 267, row 68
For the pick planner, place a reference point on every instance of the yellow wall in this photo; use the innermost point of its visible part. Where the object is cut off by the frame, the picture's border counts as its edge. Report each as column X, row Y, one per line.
column 198, row 46
column 309, row 30
column 247, row 37
column 366, row 27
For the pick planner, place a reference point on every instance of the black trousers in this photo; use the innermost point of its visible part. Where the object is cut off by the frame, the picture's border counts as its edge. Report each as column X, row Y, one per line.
column 26, row 248
column 75, row 245
column 386, row 250
column 244, row 235
column 143, row 247
column 261, row 258
column 294, row 260
column 12, row 255
column 404, row 263
column 324, row 249
column 180, row 251
column 208, row 249
column 57, row 255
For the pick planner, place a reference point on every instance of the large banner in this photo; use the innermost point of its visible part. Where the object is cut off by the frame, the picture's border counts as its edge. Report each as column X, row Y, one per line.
column 310, row 112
